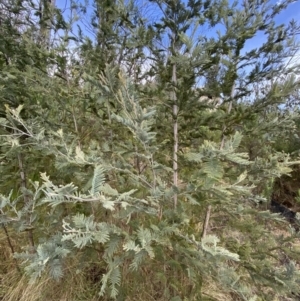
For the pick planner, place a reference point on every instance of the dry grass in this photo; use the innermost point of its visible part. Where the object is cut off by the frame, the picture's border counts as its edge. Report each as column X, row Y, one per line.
column 75, row 287
column 15, row 285
column 71, row 287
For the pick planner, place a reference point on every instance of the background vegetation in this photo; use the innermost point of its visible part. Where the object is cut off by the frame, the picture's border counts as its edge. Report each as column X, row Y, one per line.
column 141, row 145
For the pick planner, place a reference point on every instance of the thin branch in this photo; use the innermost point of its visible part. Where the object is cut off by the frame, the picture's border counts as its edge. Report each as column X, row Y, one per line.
column 205, row 226
column 228, row 112
column 175, row 133
column 11, row 247
column 76, row 126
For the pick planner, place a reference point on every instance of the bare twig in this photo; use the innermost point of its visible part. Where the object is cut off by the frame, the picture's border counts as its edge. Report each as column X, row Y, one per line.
column 11, row 247
column 205, row 226
column 228, row 111
column 175, row 132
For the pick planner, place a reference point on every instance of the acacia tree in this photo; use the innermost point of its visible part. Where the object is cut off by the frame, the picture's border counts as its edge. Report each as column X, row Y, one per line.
column 120, row 140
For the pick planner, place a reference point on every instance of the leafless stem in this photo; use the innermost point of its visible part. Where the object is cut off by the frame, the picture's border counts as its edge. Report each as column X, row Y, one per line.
column 175, row 132
column 228, row 111
column 11, row 247
column 205, row 226
column 76, row 126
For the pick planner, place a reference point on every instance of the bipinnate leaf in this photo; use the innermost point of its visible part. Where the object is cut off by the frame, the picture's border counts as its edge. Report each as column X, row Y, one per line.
column 209, row 244
column 98, row 180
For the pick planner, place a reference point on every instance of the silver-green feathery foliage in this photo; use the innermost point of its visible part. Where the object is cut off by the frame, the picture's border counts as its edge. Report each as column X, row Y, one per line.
column 141, row 244
column 100, row 142
column 49, row 257
column 158, row 234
